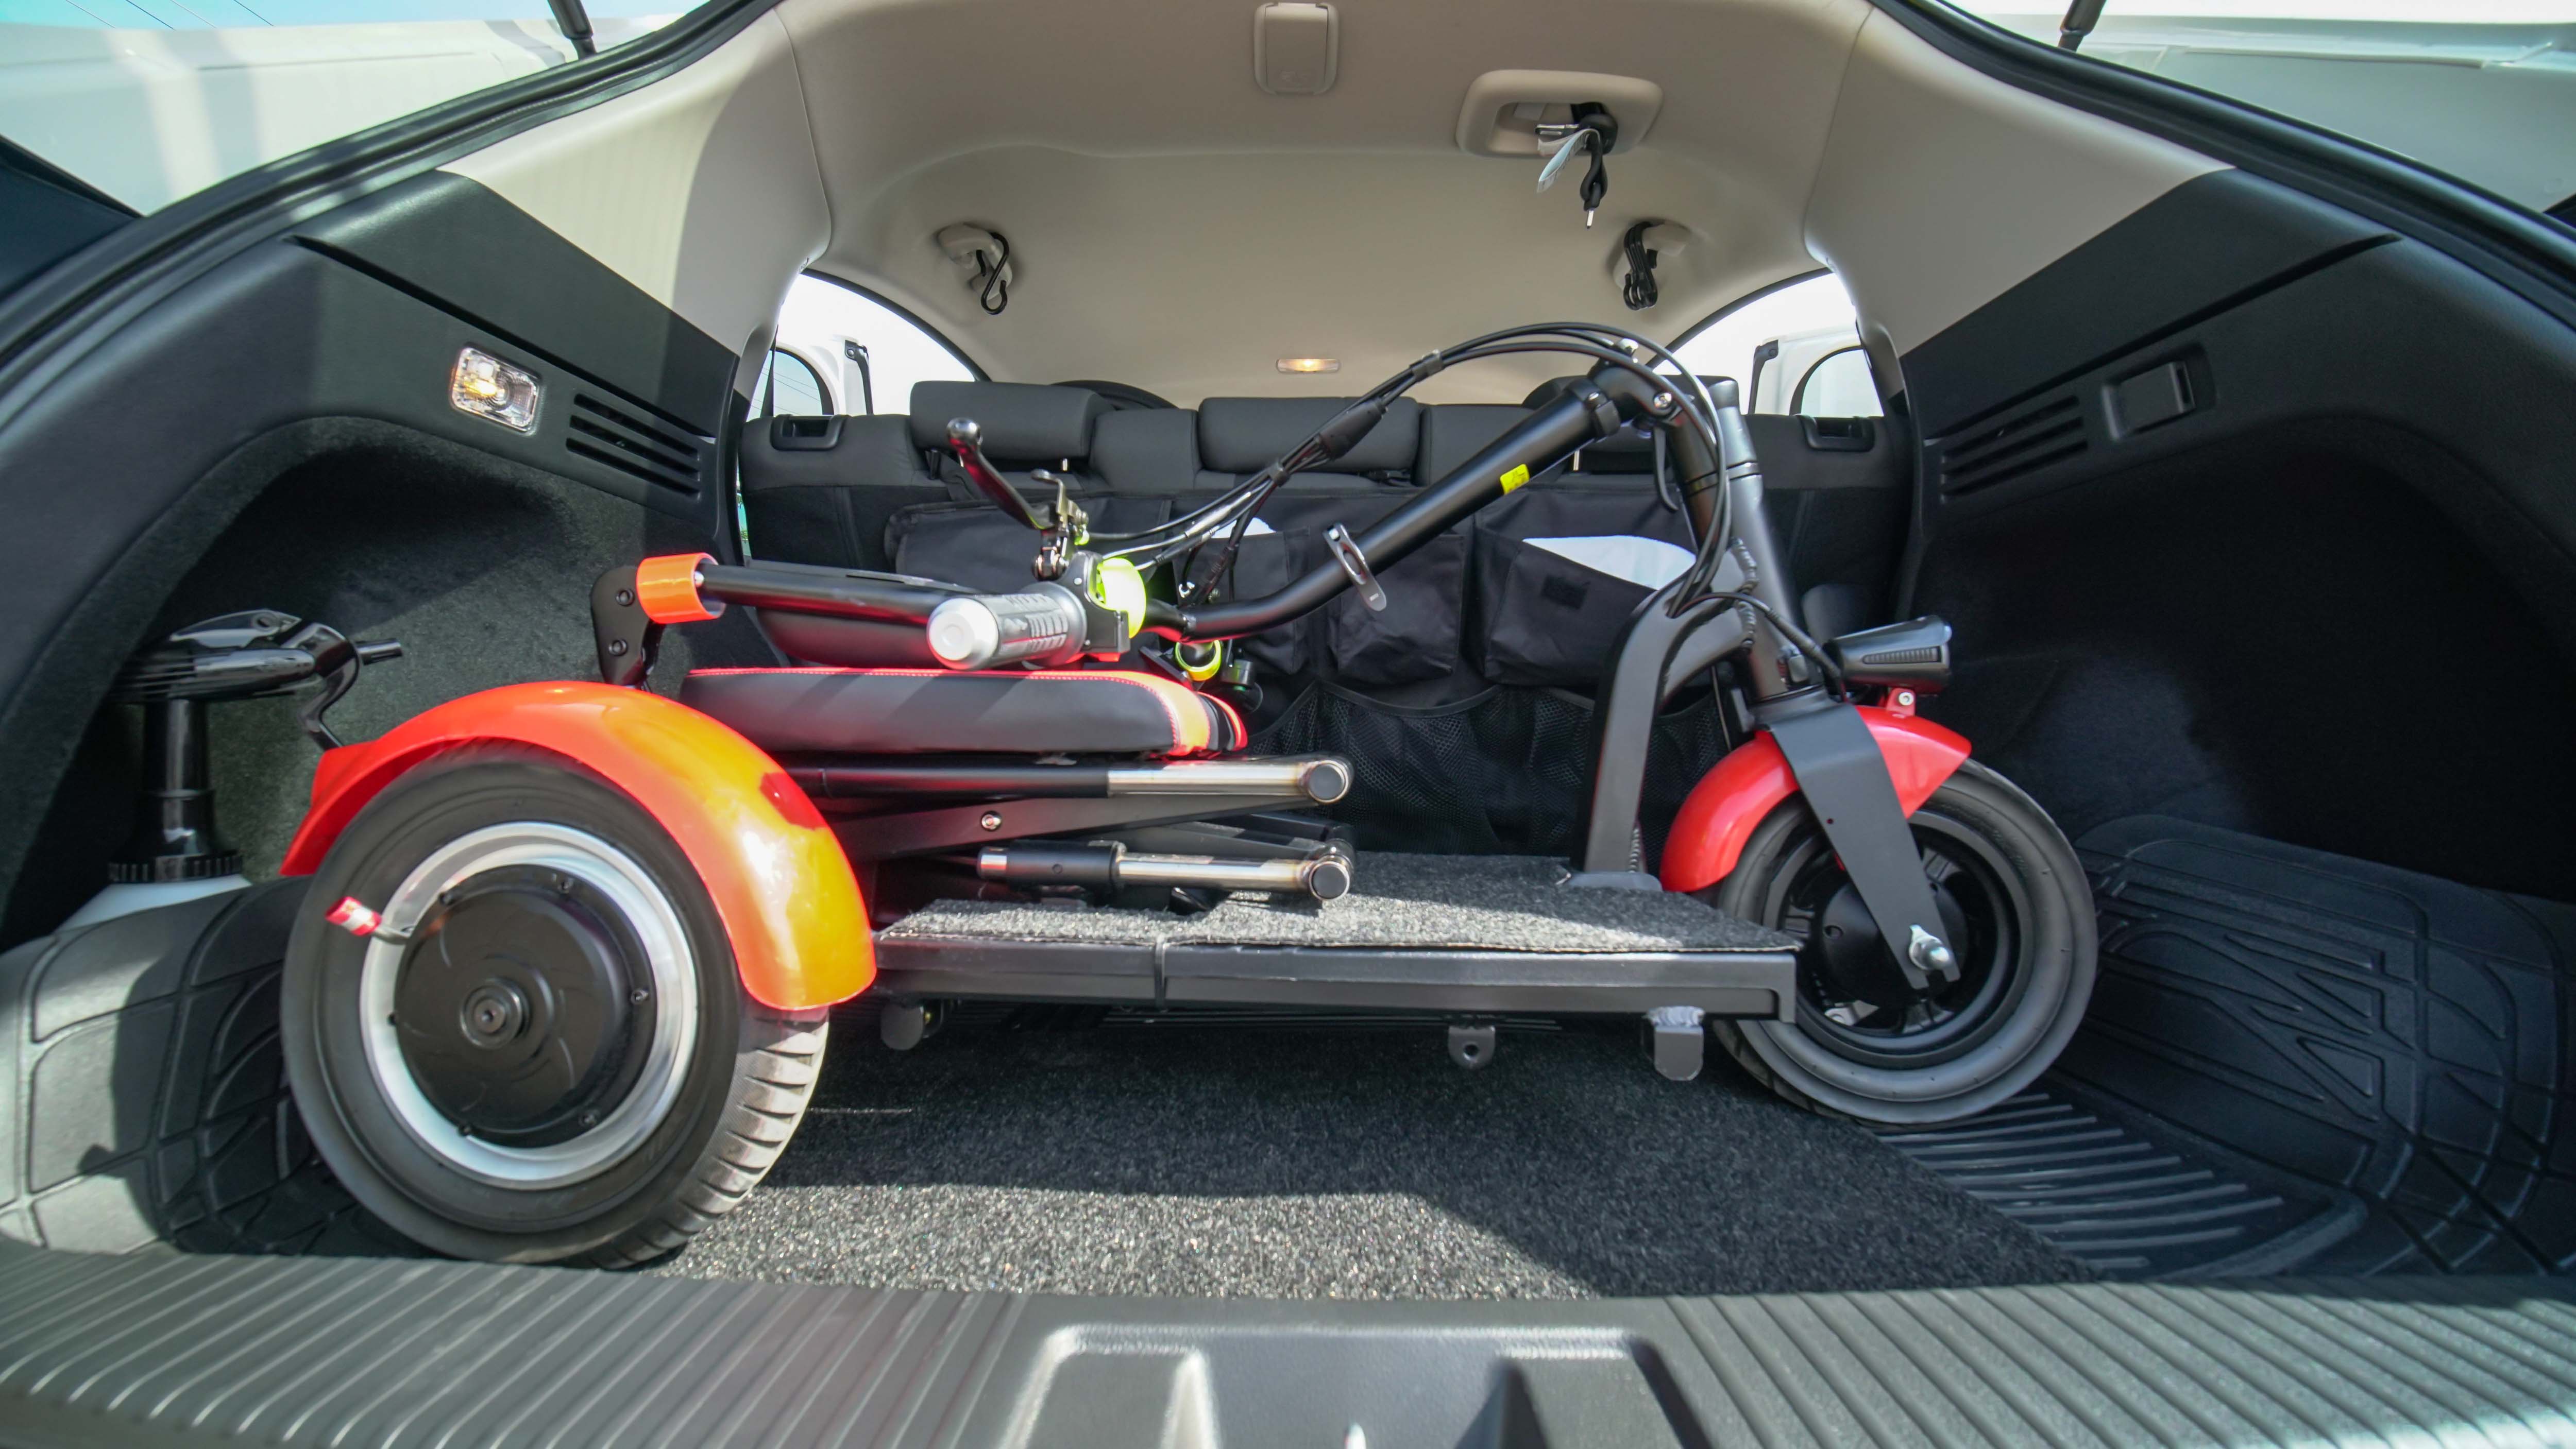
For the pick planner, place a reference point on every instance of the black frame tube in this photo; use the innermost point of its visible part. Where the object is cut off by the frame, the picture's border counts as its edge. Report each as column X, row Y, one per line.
column 833, row 595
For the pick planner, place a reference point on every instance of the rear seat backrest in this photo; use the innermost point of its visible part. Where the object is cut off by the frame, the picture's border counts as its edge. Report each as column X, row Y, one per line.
column 1240, row 436
column 1452, row 433
column 1147, row 451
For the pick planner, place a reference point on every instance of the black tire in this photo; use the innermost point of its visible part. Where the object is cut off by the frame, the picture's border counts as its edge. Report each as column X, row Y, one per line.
column 2015, row 894
column 704, row 1108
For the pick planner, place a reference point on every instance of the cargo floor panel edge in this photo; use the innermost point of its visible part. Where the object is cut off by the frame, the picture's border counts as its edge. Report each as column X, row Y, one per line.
column 341, row 1351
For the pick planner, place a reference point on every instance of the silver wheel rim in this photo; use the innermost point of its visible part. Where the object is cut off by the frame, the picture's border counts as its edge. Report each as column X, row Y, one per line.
column 668, row 960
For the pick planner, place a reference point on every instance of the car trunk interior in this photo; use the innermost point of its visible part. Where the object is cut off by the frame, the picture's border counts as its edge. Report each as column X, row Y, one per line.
column 2290, row 662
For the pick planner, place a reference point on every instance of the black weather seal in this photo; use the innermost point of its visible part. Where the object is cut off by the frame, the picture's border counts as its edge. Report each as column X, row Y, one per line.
column 197, row 231
column 27, row 163
column 2506, row 242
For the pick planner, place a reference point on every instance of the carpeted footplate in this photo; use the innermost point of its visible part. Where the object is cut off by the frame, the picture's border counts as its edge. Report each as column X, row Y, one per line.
column 1474, row 934
column 1400, row 902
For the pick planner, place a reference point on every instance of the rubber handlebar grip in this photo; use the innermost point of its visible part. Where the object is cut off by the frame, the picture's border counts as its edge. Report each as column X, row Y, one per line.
column 981, row 631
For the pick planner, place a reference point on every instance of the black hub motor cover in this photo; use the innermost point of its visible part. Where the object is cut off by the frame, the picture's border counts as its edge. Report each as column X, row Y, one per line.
column 520, row 1000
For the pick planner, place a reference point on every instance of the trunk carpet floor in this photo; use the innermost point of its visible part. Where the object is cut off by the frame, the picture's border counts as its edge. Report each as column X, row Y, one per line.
column 1233, row 1162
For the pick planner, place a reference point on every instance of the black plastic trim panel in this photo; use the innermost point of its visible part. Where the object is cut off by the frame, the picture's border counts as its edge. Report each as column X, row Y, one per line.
column 2197, row 250
column 175, row 1350
column 453, row 243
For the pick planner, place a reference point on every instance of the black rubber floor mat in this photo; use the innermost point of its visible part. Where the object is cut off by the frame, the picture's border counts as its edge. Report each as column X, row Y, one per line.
column 139, row 1062
column 2401, row 1038
column 177, row 1349
column 2130, row 1198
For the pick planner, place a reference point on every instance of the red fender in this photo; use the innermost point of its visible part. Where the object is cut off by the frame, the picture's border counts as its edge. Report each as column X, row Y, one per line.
column 780, row 880
column 1749, row 783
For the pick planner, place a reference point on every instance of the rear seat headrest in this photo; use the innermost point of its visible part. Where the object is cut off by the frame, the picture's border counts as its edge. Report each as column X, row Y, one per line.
column 1247, row 434
column 1023, row 422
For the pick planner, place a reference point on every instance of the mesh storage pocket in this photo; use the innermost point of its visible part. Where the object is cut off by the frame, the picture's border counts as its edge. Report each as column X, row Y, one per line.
column 1504, row 773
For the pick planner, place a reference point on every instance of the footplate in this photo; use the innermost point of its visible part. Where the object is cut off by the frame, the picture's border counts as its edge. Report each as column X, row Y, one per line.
column 1716, row 983
column 1453, row 934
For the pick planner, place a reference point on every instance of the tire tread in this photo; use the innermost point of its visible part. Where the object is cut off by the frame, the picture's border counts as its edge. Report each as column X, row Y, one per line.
column 773, row 1080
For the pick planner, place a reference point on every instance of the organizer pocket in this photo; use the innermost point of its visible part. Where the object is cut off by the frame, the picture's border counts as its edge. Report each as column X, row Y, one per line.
column 963, row 543
column 1557, row 579
column 1268, row 562
column 973, row 544
column 1416, row 636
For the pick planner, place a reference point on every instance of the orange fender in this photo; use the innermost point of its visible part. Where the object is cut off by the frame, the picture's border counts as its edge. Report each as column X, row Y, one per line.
column 1745, row 787
column 780, row 881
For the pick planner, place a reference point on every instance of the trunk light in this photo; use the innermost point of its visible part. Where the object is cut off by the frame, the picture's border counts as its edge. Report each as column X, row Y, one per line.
column 491, row 389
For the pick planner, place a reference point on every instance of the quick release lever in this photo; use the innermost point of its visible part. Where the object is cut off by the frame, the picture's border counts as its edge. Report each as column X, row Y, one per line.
column 1346, row 551
column 1593, row 131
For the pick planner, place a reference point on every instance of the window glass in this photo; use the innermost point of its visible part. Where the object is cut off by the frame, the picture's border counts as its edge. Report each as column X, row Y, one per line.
column 869, row 353
column 1837, row 385
column 151, row 100
column 790, row 387
column 1776, row 341
column 2482, row 89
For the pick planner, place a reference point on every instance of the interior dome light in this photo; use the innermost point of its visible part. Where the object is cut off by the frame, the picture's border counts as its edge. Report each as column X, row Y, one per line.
column 1310, row 364
column 489, row 388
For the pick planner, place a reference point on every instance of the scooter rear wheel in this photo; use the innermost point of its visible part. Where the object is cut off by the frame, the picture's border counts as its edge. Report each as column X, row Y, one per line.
column 545, row 1053
column 2017, row 910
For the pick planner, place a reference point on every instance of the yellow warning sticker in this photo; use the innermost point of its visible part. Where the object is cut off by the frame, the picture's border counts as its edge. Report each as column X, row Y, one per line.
column 1516, row 477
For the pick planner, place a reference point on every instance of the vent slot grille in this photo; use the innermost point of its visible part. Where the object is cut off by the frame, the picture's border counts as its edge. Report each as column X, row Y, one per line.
column 2014, row 449
column 620, row 440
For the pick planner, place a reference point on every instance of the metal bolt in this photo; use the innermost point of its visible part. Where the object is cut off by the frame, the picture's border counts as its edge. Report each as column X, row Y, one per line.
column 992, row 820
column 639, row 996
column 625, row 598
column 590, row 1119
column 1663, row 402
column 616, row 646
column 1905, row 697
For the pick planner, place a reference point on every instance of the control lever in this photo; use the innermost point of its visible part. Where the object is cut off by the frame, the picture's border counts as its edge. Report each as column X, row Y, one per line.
column 1346, row 551
column 966, row 441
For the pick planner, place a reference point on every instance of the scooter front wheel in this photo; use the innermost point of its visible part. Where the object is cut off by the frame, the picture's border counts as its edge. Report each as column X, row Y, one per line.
column 2017, row 910
column 543, row 1052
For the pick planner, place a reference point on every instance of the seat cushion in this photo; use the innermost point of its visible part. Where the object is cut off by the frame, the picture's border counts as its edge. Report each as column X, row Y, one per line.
column 939, row 711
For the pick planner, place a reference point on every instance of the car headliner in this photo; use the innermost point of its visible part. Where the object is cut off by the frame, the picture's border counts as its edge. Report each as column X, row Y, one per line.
column 1175, row 227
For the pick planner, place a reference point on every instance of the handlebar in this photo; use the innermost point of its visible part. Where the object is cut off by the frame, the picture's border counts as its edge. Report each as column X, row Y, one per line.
column 1046, row 624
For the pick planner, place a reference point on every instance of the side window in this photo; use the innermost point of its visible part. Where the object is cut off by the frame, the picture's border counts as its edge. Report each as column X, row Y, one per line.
column 1838, row 385
column 1795, row 350
column 861, row 352
column 790, row 387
